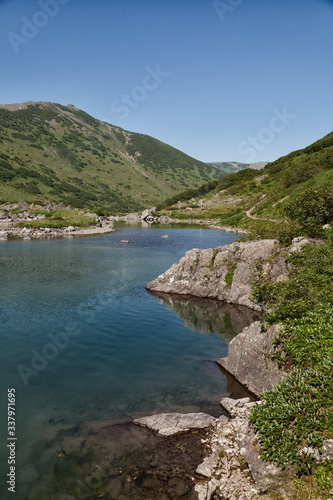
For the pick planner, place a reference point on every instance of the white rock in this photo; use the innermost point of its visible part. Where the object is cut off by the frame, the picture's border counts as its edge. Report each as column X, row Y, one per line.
column 207, row 467
column 169, row 424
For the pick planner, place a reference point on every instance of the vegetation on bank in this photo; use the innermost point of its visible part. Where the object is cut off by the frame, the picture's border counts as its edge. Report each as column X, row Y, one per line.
column 59, row 219
column 298, row 413
column 291, row 197
column 265, row 202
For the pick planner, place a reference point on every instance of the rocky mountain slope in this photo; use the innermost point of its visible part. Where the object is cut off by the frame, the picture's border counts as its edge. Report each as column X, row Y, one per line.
column 50, row 152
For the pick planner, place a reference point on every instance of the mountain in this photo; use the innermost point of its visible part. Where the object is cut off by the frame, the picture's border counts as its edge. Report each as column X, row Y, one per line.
column 50, row 152
column 231, row 167
column 296, row 187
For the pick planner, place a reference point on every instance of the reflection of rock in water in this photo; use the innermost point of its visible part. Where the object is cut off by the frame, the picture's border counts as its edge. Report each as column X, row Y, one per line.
column 116, row 461
column 208, row 315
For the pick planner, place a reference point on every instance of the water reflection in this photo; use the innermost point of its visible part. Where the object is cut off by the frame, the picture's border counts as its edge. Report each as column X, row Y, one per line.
column 208, row 315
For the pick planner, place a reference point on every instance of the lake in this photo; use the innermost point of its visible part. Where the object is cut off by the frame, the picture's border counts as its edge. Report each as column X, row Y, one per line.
column 82, row 340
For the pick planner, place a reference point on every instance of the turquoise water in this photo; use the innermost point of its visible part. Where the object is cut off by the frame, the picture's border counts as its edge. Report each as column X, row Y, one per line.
column 81, row 338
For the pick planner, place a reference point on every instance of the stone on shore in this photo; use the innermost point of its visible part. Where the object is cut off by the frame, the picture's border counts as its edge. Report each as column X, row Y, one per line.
column 171, row 424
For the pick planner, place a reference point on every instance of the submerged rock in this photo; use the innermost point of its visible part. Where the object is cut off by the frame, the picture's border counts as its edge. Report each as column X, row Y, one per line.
column 28, row 474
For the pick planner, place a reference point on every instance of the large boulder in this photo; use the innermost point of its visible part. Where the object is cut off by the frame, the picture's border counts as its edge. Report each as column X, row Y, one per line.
column 250, row 361
column 224, row 273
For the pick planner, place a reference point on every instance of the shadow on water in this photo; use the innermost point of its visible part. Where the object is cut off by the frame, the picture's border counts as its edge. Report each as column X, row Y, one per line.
column 209, row 316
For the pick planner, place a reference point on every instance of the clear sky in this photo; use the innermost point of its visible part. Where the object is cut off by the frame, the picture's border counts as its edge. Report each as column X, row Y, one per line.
column 221, row 80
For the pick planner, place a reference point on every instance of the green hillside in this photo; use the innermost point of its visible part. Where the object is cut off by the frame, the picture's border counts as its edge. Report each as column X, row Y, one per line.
column 50, row 152
column 297, row 187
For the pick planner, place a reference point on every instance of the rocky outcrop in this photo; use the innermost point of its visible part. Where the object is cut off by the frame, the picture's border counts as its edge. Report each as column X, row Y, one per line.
column 232, row 467
column 224, row 273
column 249, row 359
column 228, row 273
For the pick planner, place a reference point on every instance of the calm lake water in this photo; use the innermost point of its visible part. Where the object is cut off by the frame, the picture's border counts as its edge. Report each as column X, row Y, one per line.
column 81, row 338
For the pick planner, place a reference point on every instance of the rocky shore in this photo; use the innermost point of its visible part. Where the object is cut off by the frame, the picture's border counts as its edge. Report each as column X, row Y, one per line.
column 225, row 273
column 11, row 215
column 47, row 233
column 228, row 273
column 232, row 468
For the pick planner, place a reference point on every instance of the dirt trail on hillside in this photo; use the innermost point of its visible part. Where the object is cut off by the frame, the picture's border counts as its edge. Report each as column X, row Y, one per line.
column 248, row 213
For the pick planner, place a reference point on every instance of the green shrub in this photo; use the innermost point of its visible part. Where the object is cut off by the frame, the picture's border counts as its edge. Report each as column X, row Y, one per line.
column 312, row 208
column 298, row 412
column 230, row 274
column 309, row 280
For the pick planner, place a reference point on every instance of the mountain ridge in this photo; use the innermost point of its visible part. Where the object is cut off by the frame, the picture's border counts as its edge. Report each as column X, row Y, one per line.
column 231, row 167
column 55, row 153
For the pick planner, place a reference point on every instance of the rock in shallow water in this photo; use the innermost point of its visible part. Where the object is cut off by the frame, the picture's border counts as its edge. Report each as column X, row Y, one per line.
column 170, row 424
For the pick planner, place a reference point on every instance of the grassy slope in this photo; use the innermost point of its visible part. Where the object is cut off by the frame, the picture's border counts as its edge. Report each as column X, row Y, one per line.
column 59, row 153
column 268, row 190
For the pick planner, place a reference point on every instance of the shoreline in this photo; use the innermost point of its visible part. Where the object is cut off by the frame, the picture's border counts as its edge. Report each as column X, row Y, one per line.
column 233, row 455
column 106, row 228
column 50, row 233
column 164, row 220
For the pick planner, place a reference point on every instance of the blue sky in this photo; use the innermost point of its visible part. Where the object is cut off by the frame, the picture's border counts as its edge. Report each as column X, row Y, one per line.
column 221, row 80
